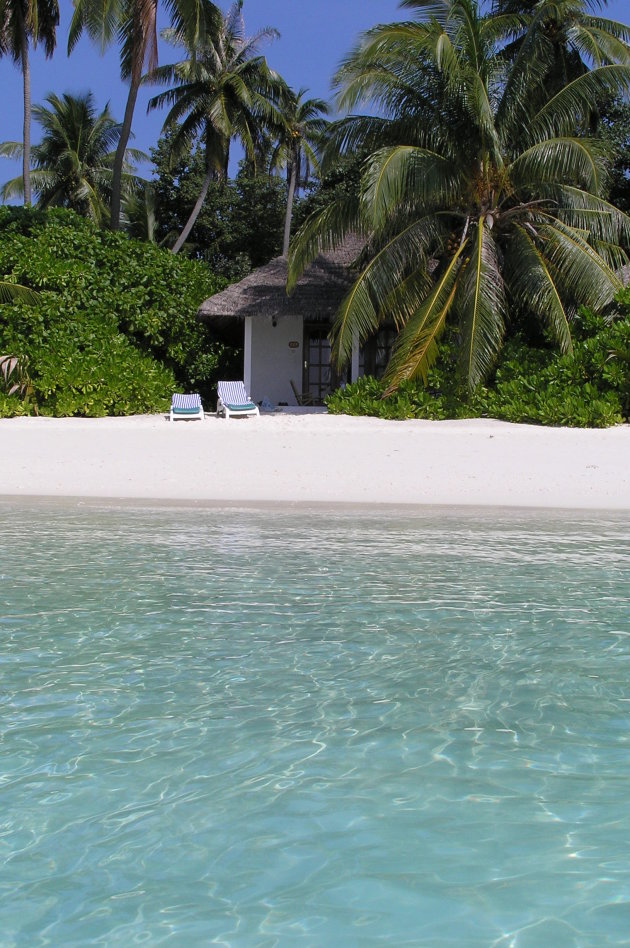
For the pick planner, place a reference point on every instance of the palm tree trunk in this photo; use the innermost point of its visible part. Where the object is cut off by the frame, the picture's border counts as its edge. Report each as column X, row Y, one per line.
column 120, row 152
column 202, row 196
column 195, row 212
column 289, row 212
column 26, row 74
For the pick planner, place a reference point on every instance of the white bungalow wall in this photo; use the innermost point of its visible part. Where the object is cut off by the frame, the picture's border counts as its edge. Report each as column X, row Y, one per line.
column 272, row 358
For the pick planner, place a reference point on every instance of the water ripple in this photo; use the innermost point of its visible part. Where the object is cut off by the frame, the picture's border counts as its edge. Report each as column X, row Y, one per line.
column 258, row 728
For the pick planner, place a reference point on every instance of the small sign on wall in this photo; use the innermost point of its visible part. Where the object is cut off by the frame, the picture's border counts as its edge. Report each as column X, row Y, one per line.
column 294, row 344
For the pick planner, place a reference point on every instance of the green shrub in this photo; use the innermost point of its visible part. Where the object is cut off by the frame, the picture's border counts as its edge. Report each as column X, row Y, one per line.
column 365, row 397
column 115, row 329
column 590, row 388
column 12, row 406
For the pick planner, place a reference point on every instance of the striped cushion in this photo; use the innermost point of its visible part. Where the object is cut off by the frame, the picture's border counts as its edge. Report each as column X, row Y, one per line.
column 186, row 404
column 234, row 396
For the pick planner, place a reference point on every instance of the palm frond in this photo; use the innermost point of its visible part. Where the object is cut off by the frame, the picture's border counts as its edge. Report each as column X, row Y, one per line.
column 586, row 275
column 614, row 255
column 556, row 160
column 588, row 212
column 99, row 18
column 416, row 350
column 427, row 10
column 374, row 295
column 482, row 306
column 404, row 174
column 11, row 149
column 532, row 286
column 574, row 103
column 323, row 231
column 13, row 189
column 613, row 28
column 10, row 292
column 599, row 45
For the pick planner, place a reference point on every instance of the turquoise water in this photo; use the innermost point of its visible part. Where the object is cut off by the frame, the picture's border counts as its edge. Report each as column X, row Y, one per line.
column 319, row 728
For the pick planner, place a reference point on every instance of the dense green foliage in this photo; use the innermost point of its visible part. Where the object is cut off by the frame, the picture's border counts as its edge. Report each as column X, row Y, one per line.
column 339, row 182
column 590, row 388
column 483, row 199
column 615, row 129
column 221, row 91
column 240, row 224
column 73, row 161
column 114, row 329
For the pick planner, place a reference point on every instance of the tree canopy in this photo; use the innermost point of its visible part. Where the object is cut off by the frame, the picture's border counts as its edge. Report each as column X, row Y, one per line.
column 133, row 23
column 223, row 90
column 74, row 160
column 483, row 195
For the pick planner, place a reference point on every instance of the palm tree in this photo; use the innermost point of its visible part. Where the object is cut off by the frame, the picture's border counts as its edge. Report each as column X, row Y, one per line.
column 482, row 196
column 300, row 134
column 578, row 34
column 575, row 33
column 140, row 212
column 223, row 91
column 134, row 23
column 73, row 162
column 23, row 22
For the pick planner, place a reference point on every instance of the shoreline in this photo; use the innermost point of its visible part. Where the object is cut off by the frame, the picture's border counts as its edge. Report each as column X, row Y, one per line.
column 307, row 457
column 340, row 509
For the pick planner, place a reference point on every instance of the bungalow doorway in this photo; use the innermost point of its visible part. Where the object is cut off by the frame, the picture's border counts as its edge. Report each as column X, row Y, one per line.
column 318, row 378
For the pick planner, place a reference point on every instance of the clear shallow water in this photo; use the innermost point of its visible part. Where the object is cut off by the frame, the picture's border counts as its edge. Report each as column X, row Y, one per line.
column 260, row 728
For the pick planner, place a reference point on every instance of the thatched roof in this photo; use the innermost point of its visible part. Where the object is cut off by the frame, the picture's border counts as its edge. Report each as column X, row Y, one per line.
column 624, row 275
column 317, row 296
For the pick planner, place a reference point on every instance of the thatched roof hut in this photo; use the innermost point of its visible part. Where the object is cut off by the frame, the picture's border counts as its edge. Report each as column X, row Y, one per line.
column 317, row 295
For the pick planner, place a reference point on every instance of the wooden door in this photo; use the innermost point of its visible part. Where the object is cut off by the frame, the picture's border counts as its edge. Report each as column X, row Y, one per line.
column 318, row 375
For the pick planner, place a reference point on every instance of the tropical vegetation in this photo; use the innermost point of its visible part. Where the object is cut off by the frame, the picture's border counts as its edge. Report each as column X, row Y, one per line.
column 22, row 23
column 301, row 133
column 223, row 91
column 133, row 23
column 482, row 201
column 111, row 328
column 483, row 157
column 240, row 223
column 73, row 162
column 532, row 384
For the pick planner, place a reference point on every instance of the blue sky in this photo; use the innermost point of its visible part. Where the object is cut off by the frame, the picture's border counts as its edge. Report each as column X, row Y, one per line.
column 314, row 37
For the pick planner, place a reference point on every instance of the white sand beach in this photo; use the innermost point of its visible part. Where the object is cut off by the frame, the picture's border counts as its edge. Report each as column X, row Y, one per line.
column 311, row 457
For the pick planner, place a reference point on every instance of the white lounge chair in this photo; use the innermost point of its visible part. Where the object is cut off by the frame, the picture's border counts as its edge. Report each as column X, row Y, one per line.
column 186, row 407
column 233, row 401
